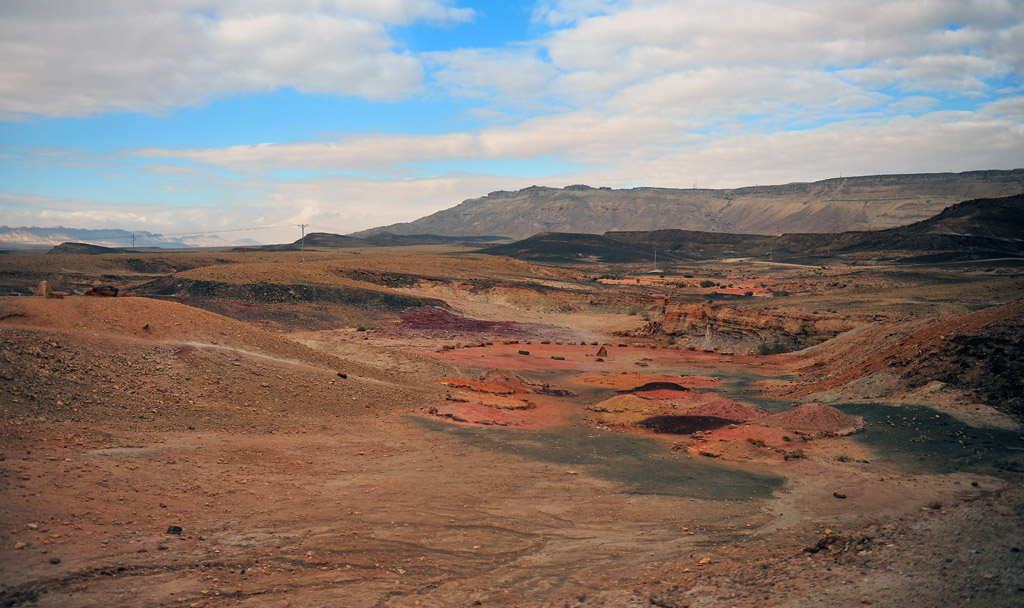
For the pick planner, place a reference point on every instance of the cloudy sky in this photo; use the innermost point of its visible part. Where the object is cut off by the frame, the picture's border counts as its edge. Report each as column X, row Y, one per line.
column 210, row 115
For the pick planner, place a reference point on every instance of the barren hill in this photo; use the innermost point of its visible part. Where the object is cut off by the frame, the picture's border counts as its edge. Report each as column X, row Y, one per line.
column 977, row 229
column 833, row 205
column 85, row 248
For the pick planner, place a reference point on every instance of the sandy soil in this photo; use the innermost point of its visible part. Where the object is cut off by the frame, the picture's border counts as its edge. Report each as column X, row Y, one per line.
column 319, row 468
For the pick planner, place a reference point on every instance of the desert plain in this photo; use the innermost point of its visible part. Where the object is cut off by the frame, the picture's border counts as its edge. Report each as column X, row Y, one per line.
column 436, row 426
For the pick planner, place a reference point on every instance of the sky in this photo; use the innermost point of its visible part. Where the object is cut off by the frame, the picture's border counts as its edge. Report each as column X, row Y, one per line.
column 254, row 116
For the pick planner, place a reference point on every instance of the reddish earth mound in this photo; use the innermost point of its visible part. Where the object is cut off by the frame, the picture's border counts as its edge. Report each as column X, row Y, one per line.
column 625, row 403
column 728, row 409
column 439, row 320
column 815, row 420
column 508, row 379
column 512, row 380
column 480, row 387
column 684, row 425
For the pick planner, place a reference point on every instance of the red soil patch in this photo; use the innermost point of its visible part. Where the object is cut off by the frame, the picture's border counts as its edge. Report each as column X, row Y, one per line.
column 815, row 420
column 504, row 356
column 742, row 442
column 728, row 409
column 621, row 381
column 549, row 414
column 501, row 402
column 699, row 381
column 480, row 387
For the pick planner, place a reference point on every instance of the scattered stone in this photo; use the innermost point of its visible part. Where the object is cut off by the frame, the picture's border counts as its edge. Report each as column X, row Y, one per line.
column 20, row 544
column 342, row 375
column 54, row 560
column 32, row 526
column 524, row 352
column 458, row 418
column 557, row 358
column 599, row 360
column 174, row 530
column 46, row 291
column 602, row 352
column 838, row 495
column 705, row 561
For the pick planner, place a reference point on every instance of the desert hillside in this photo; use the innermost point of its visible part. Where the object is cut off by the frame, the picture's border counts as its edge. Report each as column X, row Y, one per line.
column 433, row 425
column 832, row 205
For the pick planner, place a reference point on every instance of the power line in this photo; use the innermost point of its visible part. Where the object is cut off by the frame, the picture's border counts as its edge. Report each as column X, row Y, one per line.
column 302, row 241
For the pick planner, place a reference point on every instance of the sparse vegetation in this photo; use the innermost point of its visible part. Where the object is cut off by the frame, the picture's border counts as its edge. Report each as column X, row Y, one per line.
column 771, row 349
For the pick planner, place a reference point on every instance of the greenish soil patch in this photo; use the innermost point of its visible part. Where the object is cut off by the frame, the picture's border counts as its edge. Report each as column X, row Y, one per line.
column 640, row 464
column 923, row 440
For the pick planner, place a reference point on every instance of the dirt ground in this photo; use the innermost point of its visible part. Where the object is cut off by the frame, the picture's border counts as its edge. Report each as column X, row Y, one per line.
column 154, row 453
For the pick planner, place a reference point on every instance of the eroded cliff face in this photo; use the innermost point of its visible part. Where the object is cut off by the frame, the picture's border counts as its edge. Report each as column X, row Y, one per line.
column 726, row 327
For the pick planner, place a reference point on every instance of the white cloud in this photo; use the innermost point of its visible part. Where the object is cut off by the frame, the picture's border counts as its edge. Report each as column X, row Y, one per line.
column 514, row 72
column 661, row 92
column 88, row 57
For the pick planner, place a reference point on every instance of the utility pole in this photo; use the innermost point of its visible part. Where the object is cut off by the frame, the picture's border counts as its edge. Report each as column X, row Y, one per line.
column 133, row 240
column 302, row 241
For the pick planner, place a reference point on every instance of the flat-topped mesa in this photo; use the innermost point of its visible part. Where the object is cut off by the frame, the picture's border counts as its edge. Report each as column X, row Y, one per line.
column 832, row 205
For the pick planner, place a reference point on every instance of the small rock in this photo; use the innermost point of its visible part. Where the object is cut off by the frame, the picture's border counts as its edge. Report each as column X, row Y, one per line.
column 161, row 547
column 342, row 375
column 524, row 352
column 174, row 530
column 705, row 561
column 556, row 358
column 32, row 526
column 20, row 544
column 865, row 600
column 838, row 495
column 54, row 560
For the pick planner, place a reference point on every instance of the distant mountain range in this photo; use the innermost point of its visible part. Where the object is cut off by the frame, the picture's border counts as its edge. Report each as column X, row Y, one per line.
column 380, row 239
column 828, row 206
column 26, row 238
column 971, row 230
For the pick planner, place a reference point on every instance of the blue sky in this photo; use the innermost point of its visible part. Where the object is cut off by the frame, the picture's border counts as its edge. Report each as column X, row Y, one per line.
column 348, row 114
